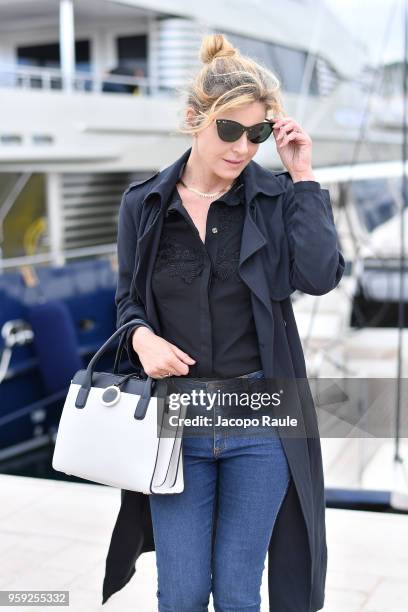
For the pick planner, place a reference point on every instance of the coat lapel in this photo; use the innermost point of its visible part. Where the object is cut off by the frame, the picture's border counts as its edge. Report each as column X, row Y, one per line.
column 250, row 267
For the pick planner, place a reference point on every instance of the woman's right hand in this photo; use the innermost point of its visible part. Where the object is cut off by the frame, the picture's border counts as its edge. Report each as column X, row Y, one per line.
column 158, row 356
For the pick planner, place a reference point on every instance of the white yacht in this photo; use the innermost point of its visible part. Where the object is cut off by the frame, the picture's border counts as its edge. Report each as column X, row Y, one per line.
column 90, row 94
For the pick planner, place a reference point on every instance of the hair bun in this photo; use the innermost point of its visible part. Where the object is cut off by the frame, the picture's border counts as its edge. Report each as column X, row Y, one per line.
column 215, row 45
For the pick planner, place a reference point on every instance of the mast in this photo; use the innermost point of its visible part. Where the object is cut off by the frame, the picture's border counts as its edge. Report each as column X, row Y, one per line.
column 401, row 302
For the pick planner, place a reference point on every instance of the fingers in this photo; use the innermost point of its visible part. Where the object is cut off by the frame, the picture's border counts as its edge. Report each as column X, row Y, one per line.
column 286, row 130
column 172, row 369
column 164, row 374
column 285, row 125
column 178, row 365
column 175, row 369
column 183, row 356
column 284, row 122
column 174, row 363
column 284, row 139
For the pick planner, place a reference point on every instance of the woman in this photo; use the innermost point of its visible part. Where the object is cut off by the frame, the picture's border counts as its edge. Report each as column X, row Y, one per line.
column 220, row 245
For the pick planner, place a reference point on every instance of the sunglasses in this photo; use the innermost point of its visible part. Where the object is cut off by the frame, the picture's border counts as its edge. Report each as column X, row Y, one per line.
column 229, row 131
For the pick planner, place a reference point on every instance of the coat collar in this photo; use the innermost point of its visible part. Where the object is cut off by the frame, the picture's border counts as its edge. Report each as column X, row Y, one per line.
column 233, row 197
column 256, row 180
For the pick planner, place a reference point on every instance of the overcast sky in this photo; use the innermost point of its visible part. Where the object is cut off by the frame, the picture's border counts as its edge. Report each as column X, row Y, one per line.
column 369, row 20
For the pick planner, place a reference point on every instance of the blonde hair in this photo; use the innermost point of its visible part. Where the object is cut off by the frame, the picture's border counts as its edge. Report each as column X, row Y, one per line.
column 228, row 80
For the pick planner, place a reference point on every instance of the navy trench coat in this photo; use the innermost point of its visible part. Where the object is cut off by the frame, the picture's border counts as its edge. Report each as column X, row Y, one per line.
column 289, row 242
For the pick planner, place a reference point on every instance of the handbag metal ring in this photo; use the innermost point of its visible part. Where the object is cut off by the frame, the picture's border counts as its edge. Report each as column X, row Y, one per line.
column 110, row 396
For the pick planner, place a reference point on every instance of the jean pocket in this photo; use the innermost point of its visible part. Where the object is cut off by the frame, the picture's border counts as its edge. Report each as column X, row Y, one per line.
column 256, row 375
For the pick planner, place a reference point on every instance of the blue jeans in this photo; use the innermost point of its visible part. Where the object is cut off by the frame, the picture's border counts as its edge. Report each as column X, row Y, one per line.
column 214, row 536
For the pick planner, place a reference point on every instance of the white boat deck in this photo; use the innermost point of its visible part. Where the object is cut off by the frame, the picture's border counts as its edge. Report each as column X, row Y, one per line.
column 55, row 535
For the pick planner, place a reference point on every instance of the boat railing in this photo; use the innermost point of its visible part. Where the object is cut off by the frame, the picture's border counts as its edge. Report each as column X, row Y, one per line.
column 34, row 77
column 60, row 258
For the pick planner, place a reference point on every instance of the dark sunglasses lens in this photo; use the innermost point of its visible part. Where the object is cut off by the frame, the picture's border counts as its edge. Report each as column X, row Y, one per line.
column 228, row 130
column 259, row 133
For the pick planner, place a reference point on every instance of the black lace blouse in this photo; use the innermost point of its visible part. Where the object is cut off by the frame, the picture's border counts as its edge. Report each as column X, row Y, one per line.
column 203, row 305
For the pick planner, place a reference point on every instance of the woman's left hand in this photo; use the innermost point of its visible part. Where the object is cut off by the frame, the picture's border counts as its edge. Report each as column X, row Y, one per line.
column 294, row 147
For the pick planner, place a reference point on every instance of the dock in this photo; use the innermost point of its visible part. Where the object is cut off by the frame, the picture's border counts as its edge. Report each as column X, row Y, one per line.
column 55, row 535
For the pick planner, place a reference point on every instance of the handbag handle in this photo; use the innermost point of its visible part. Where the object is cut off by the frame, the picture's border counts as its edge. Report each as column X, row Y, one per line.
column 121, row 346
column 85, row 388
column 119, row 352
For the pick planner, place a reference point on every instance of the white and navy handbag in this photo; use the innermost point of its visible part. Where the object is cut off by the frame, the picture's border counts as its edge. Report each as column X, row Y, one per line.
column 115, row 430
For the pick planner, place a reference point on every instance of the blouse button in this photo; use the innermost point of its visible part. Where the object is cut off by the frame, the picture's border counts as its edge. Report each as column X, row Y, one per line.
column 214, row 230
